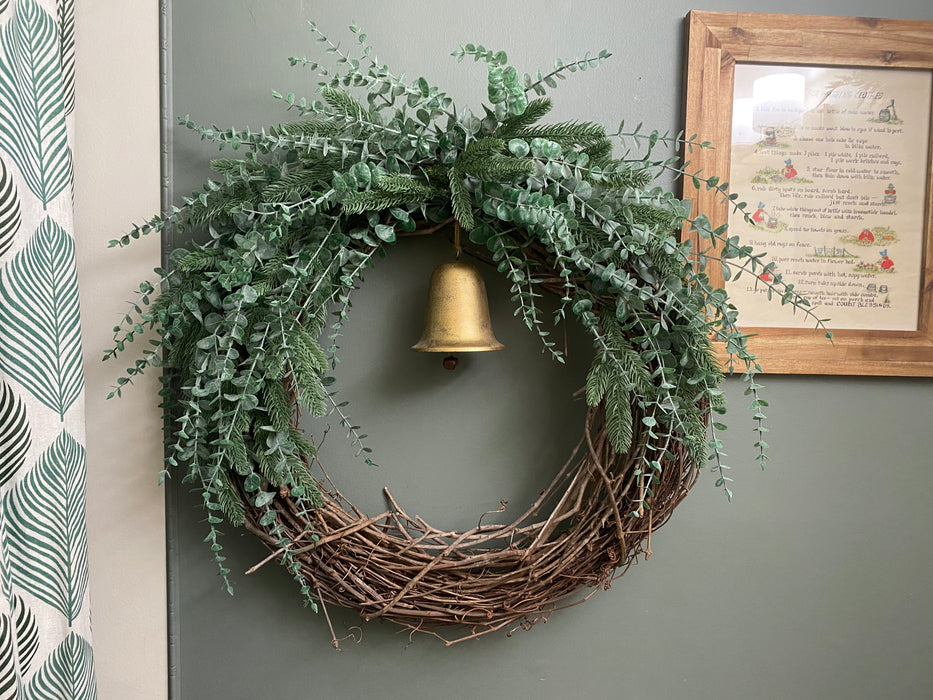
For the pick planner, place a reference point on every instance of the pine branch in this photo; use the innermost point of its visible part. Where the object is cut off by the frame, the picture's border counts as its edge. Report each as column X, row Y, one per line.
column 499, row 168
column 406, row 186
column 460, row 200
column 376, row 200
column 512, row 125
column 481, row 149
column 310, row 127
column 344, row 105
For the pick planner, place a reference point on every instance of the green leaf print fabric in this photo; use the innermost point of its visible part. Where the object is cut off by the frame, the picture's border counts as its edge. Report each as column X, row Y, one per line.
column 45, row 630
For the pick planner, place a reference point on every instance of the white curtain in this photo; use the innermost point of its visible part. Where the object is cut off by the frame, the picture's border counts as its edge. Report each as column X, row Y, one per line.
column 45, row 636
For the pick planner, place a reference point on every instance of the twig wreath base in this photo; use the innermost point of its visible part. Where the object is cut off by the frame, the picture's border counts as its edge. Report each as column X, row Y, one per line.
column 578, row 534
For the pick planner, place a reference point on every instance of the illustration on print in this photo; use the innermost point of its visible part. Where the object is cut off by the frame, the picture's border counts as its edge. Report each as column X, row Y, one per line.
column 872, row 236
column 830, row 252
column 890, row 194
column 887, row 115
column 873, row 267
column 773, row 176
column 886, row 262
column 764, row 221
column 776, row 137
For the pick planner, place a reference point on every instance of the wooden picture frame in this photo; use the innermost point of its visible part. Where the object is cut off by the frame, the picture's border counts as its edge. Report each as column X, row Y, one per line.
column 718, row 42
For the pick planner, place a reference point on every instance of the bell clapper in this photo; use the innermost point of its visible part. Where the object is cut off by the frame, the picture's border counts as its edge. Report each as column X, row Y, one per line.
column 450, row 362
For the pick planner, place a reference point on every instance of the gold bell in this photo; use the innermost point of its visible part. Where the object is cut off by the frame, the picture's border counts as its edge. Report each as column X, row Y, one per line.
column 457, row 319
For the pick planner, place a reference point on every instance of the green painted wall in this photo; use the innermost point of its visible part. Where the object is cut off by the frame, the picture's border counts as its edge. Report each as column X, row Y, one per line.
column 814, row 583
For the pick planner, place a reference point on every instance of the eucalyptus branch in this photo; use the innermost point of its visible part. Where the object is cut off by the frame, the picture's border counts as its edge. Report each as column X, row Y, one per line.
column 523, row 292
column 267, row 142
column 560, row 68
column 353, row 435
column 716, row 455
column 351, row 62
column 654, row 137
column 748, row 263
column 355, row 77
column 651, row 468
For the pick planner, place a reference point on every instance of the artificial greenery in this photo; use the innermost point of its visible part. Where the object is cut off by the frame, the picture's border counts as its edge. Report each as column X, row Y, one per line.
column 248, row 320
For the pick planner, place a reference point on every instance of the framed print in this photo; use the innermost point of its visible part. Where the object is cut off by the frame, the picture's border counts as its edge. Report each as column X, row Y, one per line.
column 822, row 126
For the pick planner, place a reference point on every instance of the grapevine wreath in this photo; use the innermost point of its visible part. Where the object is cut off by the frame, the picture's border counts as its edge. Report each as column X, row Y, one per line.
column 247, row 322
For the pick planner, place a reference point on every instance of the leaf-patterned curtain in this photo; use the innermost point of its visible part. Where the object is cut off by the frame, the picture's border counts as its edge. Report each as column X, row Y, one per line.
column 45, row 636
